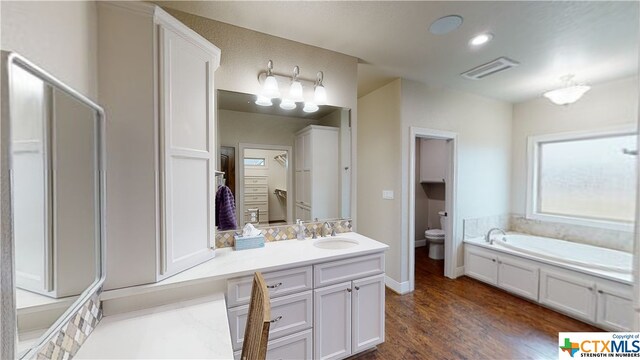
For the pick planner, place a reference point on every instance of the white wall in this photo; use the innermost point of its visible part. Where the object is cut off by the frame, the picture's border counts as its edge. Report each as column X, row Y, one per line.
column 58, row 36
column 605, row 105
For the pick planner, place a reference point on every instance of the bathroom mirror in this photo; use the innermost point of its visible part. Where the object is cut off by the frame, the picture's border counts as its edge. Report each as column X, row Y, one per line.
column 53, row 205
column 282, row 165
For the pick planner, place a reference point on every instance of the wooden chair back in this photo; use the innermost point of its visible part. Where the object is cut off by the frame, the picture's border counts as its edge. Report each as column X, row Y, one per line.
column 256, row 332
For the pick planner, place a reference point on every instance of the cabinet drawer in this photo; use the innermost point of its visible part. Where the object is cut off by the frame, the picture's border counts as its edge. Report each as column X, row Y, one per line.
column 289, row 314
column 263, row 207
column 255, row 180
column 279, row 283
column 263, row 218
column 255, row 198
column 348, row 269
column 248, row 190
column 298, row 346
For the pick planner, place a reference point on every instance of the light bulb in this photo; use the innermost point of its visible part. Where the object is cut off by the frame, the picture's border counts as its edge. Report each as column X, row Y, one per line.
column 295, row 92
column 310, row 107
column 320, row 95
column 263, row 101
column 287, row 104
column 567, row 95
column 481, row 39
column 270, row 88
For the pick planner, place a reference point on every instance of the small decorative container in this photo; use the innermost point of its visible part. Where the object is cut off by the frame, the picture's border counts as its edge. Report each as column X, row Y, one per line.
column 248, row 242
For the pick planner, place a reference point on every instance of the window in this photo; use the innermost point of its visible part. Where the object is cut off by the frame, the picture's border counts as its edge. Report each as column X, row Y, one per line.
column 584, row 178
column 254, row 161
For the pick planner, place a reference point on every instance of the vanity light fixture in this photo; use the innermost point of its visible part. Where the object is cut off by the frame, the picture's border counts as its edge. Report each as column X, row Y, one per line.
column 270, row 90
column 319, row 93
column 480, row 39
column 310, row 107
column 295, row 91
column 287, row 104
column 568, row 94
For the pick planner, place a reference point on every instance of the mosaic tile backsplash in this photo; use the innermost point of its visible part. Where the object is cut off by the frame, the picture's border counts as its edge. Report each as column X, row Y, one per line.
column 611, row 239
column 67, row 341
column 284, row 232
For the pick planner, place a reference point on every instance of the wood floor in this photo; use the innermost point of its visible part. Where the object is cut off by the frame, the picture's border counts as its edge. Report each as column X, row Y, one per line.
column 466, row 319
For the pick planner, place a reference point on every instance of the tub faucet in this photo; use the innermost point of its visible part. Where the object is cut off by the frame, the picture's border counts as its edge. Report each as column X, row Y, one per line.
column 487, row 237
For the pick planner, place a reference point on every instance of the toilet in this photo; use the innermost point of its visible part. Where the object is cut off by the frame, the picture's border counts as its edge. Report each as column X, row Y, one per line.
column 435, row 238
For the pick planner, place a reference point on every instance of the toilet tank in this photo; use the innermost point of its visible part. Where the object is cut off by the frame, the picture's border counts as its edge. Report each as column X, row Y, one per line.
column 443, row 220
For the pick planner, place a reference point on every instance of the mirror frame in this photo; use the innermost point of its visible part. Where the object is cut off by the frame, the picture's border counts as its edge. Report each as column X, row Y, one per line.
column 8, row 311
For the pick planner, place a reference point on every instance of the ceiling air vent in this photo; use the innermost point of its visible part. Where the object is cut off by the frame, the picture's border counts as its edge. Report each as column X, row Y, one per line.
column 490, row 68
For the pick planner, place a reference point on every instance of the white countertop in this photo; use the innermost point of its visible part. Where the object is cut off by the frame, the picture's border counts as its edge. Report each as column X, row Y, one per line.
column 200, row 328
column 194, row 329
column 275, row 255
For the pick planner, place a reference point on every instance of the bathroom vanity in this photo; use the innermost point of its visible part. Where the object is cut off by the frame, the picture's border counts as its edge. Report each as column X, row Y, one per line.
column 327, row 302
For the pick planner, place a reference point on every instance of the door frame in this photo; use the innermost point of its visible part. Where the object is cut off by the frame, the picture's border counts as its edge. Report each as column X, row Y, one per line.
column 451, row 236
column 240, row 177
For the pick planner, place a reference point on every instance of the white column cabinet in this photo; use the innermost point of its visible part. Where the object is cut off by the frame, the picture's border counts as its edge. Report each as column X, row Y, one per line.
column 156, row 85
column 317, row 177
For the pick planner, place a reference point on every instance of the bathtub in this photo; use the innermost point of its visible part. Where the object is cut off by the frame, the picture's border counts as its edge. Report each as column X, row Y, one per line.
column 567, row 252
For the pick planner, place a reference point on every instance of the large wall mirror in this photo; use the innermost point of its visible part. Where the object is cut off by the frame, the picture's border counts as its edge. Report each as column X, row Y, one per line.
column 52, row 144
column 281, row 165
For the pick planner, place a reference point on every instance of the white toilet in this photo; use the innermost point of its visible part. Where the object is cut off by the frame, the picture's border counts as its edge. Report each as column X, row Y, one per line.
column 435, row 238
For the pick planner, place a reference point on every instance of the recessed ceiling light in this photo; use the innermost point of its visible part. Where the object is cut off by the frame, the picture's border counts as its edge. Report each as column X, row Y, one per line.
column 480, row 39
column 445, row 24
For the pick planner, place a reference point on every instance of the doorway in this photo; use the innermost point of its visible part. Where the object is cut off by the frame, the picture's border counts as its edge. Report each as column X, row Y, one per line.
column 265, row 178
column 432, row 196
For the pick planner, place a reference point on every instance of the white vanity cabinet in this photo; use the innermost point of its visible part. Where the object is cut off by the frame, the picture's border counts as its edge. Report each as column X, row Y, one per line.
column 317, row 161
column 329, row 310
column 156, row 86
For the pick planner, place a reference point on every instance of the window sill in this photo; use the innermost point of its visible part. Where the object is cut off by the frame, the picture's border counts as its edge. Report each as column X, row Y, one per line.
column 600, row 224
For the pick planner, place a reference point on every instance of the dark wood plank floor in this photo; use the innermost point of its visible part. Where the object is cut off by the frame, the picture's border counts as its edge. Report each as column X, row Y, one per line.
column 466, row 319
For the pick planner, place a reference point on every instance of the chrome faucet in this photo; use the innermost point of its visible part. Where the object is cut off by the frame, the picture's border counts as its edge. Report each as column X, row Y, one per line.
column 487, row 237
column 323, row 230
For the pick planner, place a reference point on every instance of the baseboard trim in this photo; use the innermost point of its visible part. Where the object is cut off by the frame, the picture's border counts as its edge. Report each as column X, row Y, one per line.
column 400, row 288
column 422, row 242
column 459, row 271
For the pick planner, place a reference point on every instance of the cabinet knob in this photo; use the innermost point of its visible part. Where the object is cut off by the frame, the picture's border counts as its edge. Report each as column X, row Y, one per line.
column 357, row 287
column 600, row 292
column 274, row 286
column 590, row 288
column 349, row 290
column 494, row 260
column 276, row 319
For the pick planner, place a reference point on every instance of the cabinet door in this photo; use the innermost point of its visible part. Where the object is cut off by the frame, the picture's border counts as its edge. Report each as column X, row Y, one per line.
column 299, row 152
column 306, row 188
column 615, row 308
column 187, row 152
column 368, row 313
column 299, row 196
column 306, row 157
column 433, row 160
column 481, row 265
column 518, row 277
column 569, row 294
column 332, row 321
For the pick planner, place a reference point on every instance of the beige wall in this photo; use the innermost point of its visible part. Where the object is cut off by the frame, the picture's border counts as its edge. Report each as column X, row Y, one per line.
column 484, row 154
column 379, row 168
column 483, row 127
column 608, row 104
column 58, row 36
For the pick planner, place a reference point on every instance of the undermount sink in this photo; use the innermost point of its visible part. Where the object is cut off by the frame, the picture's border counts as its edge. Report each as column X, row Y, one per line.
column 335, row 243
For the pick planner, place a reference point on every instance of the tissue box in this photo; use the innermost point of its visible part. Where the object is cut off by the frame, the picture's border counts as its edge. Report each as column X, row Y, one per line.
column 248, row 242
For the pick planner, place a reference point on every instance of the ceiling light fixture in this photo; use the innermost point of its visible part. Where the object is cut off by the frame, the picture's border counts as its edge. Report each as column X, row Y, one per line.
column 568, row 94
column 445, row 24
column 480, row 39
column 270, row 90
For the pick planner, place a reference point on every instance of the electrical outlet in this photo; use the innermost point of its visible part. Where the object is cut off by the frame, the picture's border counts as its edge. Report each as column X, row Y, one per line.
column 387, row 194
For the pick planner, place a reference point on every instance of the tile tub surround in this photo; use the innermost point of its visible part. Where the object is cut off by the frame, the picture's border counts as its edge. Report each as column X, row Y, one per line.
column 611, row 239
column 477, row 227
column 66, row 342
column 284, row 232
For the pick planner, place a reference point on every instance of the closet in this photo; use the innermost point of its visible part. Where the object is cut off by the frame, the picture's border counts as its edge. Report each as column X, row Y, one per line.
column 155, row 79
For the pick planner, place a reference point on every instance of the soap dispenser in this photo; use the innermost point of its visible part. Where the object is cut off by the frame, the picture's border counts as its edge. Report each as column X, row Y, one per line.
column 300, row 229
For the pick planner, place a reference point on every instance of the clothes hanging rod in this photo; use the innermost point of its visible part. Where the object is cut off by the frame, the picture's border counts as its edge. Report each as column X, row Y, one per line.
column 218, row 173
